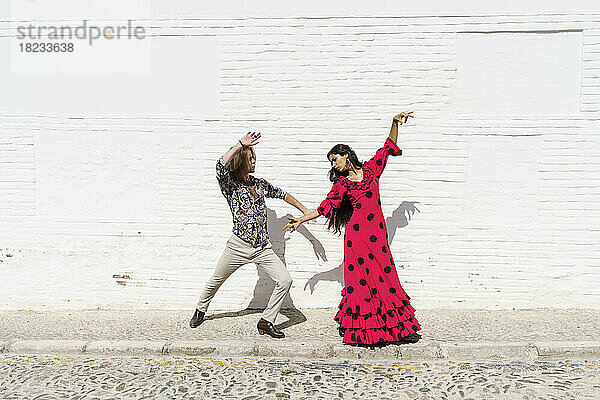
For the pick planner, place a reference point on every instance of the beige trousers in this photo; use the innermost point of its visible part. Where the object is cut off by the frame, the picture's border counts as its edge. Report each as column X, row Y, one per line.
column 238, row 253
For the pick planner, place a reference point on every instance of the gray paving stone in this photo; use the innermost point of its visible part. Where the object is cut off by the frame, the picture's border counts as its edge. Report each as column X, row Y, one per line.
column 447, row 334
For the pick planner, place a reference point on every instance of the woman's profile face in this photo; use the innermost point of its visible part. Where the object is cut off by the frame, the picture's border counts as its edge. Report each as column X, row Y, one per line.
column 339, row 162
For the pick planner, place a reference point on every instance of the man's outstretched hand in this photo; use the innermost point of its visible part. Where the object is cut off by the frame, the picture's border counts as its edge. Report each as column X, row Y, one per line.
column 250, row 138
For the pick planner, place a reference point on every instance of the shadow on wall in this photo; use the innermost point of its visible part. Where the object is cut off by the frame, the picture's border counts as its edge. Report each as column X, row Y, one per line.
column 398, row 219
column 265, row 285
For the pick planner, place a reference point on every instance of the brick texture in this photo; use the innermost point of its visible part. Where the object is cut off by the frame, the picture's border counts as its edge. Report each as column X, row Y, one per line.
column 494, row 209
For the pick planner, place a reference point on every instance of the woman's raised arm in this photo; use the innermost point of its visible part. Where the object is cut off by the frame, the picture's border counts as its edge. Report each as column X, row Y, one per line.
column 398, row 119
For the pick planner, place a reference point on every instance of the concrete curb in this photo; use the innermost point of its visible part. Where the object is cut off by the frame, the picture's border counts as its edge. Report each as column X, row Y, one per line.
column 311, row 350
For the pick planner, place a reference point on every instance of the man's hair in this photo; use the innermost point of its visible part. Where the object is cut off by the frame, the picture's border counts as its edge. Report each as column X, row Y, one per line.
column 240, row 163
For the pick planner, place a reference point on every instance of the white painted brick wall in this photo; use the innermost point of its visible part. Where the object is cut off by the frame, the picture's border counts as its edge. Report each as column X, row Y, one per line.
column 121, row 209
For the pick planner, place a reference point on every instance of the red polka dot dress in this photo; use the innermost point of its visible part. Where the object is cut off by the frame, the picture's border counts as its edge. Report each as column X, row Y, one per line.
column 374, row 307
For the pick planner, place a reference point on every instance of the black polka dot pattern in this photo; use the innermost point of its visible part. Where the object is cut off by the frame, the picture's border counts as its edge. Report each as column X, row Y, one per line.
column 367, row 251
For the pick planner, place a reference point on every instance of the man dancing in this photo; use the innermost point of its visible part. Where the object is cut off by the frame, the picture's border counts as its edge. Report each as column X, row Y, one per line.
column 249, row 242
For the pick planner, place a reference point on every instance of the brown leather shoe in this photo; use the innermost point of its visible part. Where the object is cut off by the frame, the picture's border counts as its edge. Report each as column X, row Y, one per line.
column 267, row 327
column 197, row 319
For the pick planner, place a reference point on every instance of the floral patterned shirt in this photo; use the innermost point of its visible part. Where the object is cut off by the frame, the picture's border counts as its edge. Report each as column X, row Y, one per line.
column 249, row 214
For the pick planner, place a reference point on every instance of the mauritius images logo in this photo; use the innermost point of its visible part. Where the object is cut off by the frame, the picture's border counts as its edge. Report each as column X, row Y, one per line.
column 85, row 31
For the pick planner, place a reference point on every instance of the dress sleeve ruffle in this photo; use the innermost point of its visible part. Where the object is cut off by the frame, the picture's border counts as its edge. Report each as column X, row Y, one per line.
column 333, row 200
column 392, row 147
column 379, row 161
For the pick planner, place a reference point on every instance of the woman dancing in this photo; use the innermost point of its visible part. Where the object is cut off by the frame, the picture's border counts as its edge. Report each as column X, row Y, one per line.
column 374, row 309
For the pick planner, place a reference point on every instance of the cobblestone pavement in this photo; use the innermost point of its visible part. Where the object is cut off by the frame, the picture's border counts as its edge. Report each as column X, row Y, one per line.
column 61, row 377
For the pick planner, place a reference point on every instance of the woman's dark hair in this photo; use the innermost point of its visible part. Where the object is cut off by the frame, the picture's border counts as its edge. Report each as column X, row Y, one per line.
column 340, row 216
